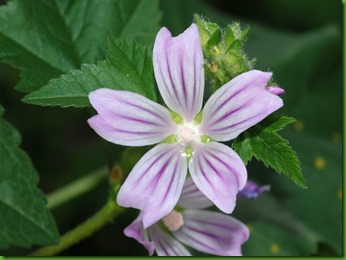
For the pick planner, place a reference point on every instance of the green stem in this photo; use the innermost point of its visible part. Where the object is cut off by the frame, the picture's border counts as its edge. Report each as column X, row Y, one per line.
column 94, row 223
column 77, row 188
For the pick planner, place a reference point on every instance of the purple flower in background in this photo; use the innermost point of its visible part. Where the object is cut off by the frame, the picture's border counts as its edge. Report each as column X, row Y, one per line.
column 252, row 190
column 206, row 231
column 155, row 183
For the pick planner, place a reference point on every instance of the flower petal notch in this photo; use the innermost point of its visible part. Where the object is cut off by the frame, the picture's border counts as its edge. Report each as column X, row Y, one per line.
column 179, row 71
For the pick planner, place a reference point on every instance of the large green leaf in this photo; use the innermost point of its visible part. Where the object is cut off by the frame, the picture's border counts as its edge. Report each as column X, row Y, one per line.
column 262, row 142
column 128, row 67
column 24, row 219
column 47, row 38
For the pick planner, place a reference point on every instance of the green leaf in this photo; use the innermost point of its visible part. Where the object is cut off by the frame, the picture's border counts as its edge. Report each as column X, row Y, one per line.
column 47, row 38
column 263, row 143
column 24, row 219
column 128, row 67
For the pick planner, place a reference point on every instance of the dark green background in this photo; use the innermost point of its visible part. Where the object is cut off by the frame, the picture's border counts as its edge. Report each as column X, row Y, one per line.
column 301, row 42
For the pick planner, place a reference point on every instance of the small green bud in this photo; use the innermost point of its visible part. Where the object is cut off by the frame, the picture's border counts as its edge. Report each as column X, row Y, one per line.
column 213, row 67
column 215, row 51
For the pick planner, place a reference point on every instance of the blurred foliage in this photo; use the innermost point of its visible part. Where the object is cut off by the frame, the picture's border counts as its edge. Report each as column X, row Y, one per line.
column 24, row 219
column 305, row 56
column 56, row 36
column 311, row 217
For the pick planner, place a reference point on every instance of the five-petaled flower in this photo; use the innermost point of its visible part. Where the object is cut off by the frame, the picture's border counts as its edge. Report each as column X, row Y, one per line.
column 155, row 183
column 191, row 225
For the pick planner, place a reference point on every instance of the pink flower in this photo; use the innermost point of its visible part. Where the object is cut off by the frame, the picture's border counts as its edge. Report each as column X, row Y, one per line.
column 155, row 183
column 206, row 231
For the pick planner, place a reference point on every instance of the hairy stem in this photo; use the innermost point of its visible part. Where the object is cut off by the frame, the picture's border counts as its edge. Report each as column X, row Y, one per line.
column 77, row 188
column 105, row 215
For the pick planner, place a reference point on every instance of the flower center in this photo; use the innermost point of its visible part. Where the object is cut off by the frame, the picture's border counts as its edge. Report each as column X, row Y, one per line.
column 173, row 221
column 187, row 133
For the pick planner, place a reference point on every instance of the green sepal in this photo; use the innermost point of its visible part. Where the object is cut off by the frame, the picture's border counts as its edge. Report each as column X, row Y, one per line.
column 223, row 50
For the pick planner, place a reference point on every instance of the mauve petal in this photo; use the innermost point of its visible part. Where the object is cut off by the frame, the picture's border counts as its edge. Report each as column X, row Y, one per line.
column 137, row 231
column 127, row 118
column 276, row 90
column 238, row 105
column 179, row 71
column 218, row 172
column 252, row 190
column 192, row 198
column 166, row 245
column 212, row 232
column 154, row 185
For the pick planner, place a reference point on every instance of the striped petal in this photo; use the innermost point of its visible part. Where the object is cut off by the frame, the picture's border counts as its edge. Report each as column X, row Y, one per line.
column 192, row 198
column 212, row 232
column 127, row 118
column 218, row 172
column 179, row 71
column 165, row 245
column 155, row 183
column 238, row 105
column 137, row 231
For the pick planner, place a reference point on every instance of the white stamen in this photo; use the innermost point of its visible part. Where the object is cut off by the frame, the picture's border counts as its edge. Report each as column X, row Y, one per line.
column 187, row 133
column 173, row 221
